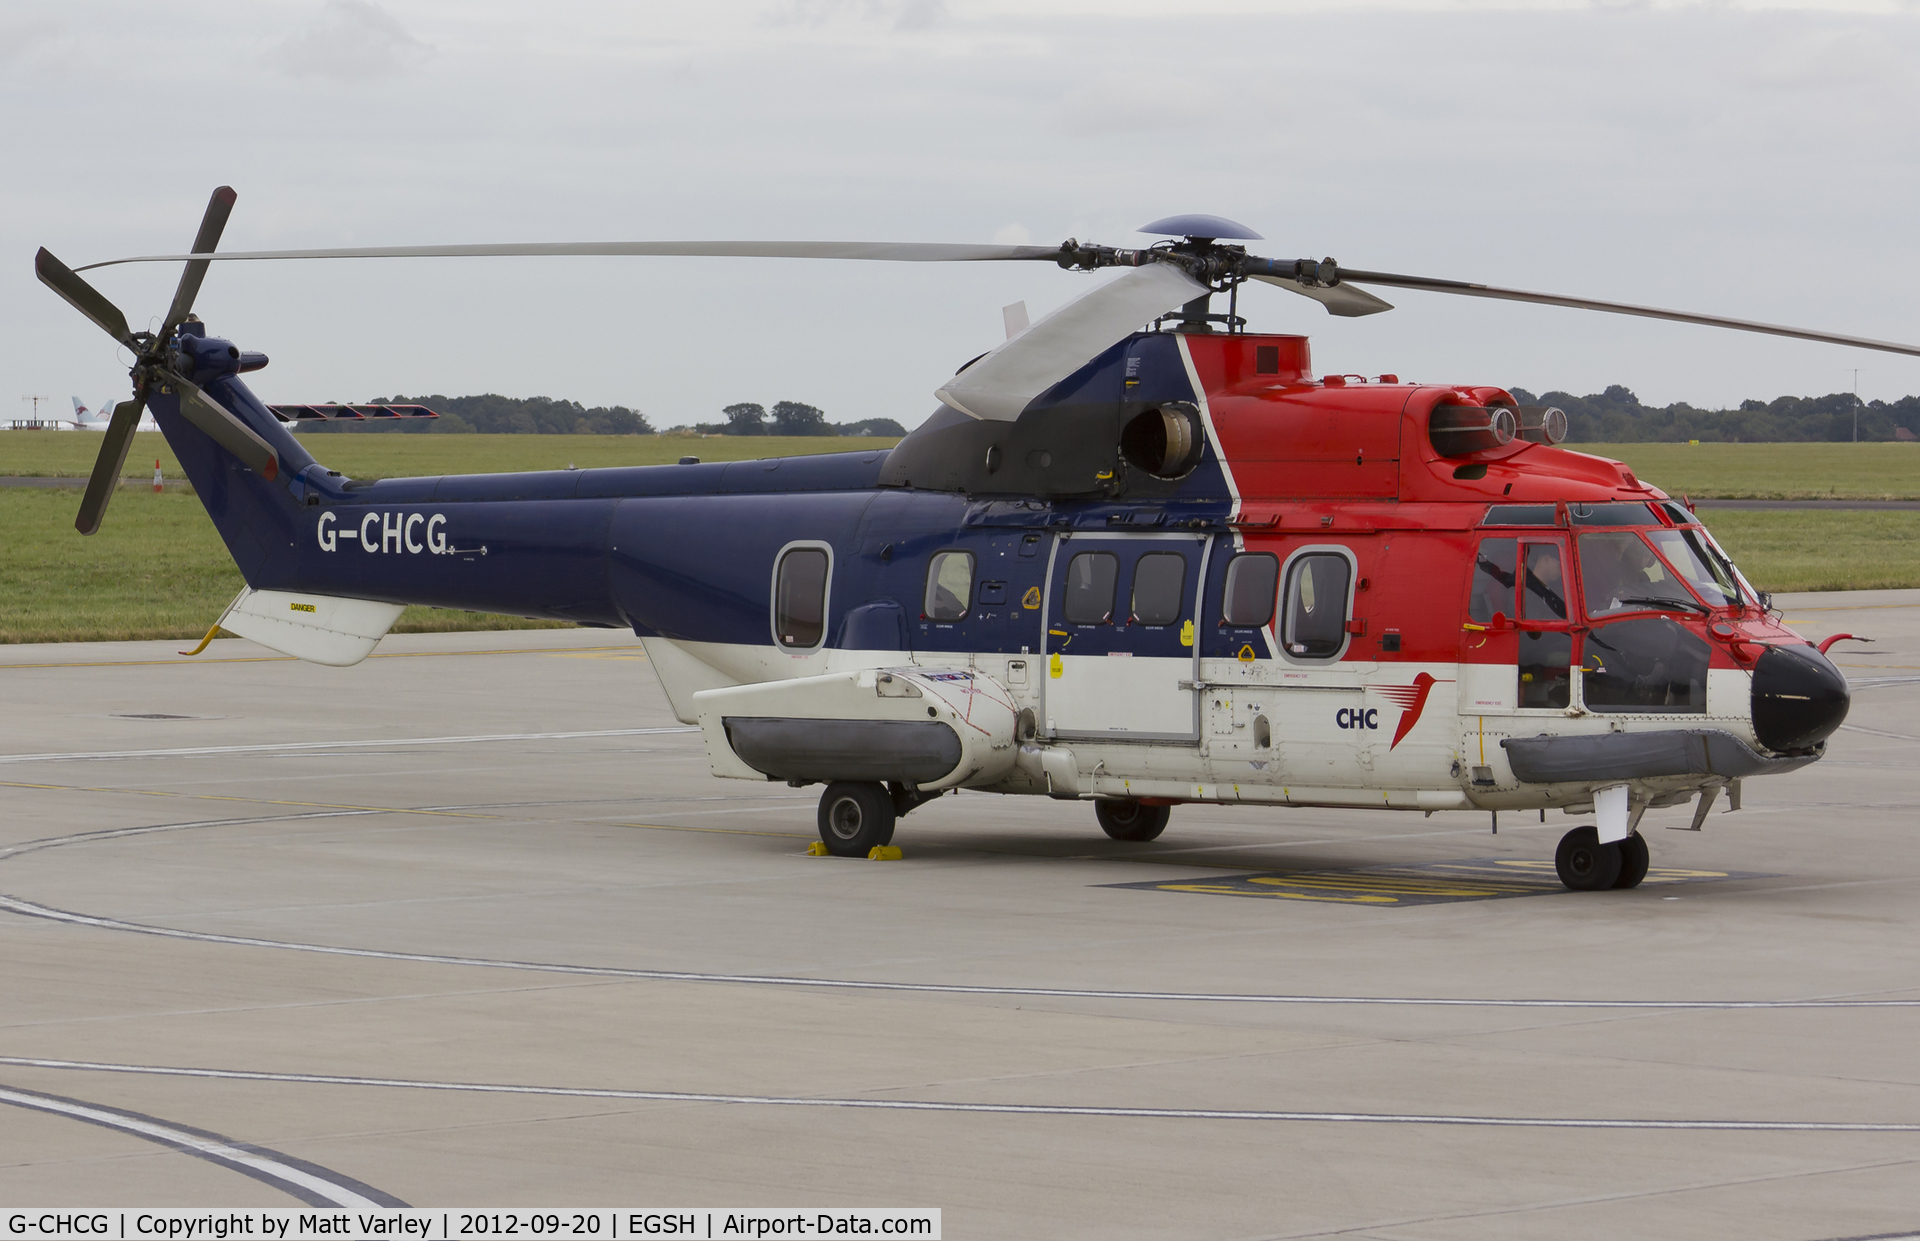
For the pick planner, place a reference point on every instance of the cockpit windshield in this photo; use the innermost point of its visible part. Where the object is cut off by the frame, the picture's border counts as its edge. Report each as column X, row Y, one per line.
column 1706, row 570
column 1620, row 573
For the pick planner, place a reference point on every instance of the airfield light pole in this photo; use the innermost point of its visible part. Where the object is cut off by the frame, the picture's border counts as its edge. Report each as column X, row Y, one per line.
column 35, row 400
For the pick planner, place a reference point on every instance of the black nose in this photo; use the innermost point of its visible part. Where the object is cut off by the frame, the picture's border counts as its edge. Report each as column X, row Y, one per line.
column 1799, row 698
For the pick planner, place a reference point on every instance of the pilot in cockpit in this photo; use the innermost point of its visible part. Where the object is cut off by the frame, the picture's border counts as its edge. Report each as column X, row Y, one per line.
column 1619, row 572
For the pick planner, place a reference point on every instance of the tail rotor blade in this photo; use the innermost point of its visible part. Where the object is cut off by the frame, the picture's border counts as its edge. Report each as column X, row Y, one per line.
column 107, row 467
column 212, row 224
column 228, row 431
column 82, row 296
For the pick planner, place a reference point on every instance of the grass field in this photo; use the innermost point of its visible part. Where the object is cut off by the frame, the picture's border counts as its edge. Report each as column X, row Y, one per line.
column 52, row 454
column 158, row 570
column 1773, row 471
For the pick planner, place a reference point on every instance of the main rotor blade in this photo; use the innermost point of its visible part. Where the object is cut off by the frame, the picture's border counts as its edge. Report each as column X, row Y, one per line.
column 82, row 296
column 884, row 251
column 1466, row 289
column 228, row 431
column 998, row 386
column 212, row 224
column 1342, row 300
column 109, row 464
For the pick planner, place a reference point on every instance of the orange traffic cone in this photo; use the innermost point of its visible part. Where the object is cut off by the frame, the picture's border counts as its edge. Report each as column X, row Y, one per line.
column 156, row 476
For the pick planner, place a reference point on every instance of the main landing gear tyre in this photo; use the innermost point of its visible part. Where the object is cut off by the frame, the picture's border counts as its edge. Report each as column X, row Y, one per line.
column 855, row 817
column 1634, row 857
column 1127, row 819
column 1586, row 865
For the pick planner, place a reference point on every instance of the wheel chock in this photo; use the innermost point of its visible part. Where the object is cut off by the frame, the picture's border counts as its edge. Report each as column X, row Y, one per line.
column 817, row 849
column 884, row 853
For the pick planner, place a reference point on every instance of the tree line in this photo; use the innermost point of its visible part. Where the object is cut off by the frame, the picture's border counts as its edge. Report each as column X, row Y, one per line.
column 493, row 414
column 1616, row 416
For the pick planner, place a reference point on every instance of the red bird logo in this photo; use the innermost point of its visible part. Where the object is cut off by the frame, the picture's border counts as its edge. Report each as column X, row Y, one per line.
column 1411, row 699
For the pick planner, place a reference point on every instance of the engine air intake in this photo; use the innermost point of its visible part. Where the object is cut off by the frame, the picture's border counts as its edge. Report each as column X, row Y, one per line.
column 1462, row 430
column 1164, row 441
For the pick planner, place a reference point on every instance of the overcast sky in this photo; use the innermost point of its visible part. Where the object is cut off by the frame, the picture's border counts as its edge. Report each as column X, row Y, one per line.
column 1750, row 159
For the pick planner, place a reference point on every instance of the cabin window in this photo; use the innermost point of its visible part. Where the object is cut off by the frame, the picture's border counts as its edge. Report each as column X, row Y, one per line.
column 1091, row 577
column 1493, row 580
column 800, row 598
column 1253, row 579
column 1317, row 605
column 949, row 585
column 1159, row 582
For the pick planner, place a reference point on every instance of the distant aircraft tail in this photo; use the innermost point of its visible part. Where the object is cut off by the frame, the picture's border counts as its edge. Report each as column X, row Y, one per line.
column 80, row 412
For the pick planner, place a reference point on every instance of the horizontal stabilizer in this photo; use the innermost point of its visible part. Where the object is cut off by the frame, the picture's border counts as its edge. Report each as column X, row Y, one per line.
column 321, row 629
column 331, row 413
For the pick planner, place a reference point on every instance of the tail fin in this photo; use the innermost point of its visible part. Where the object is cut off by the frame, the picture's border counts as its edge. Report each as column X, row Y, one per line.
column 257, row 518
column 80, row 412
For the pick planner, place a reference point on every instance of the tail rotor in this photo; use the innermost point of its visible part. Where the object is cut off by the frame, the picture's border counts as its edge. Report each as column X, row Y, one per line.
column 155, row 363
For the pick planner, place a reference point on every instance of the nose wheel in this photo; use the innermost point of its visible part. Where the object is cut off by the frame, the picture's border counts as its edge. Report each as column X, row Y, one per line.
column 1586, row 865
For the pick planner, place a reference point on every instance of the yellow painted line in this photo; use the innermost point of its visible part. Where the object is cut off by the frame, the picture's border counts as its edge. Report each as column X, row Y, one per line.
column 628, row 653
column 1274, row 894
column 258, row 801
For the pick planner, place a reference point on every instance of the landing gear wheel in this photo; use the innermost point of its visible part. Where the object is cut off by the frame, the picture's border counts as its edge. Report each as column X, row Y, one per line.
column 1633, row 861
column 1586, row 865
column 1127, row 819
column 855, row 817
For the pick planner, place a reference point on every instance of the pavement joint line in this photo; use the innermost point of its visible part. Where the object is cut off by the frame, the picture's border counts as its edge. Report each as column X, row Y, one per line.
column 31, row 909
column 307, row 1182
column 1005, row 1109
column 361, row 743
column 1876, row 732
column 189, row 662
column 258, row 801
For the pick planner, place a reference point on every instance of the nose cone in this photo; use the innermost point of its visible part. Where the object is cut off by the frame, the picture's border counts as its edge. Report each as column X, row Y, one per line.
column 1799, row 698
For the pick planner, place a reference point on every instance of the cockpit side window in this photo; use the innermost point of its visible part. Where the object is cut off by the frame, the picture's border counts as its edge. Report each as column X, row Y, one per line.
column 1543, row 594
column 1493, row 580
column 949, row 586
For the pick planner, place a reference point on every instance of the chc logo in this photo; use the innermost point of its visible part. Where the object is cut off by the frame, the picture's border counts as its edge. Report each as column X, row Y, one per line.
column 387, row 532
column 1357, row 717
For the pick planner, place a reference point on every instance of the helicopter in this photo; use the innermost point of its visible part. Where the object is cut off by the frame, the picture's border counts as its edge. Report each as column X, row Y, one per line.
column 1139, row 556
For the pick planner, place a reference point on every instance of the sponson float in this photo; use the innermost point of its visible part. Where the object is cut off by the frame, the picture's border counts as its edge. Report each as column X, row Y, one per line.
column 1140, row 568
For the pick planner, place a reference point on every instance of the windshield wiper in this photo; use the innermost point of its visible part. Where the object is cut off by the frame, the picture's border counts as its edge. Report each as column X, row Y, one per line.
column 1701, row 608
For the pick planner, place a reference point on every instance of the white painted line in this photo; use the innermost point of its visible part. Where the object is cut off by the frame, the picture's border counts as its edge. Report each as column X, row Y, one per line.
column 13, row 904
column 302, row 1179
column 1012, row 1109
column 364, row 743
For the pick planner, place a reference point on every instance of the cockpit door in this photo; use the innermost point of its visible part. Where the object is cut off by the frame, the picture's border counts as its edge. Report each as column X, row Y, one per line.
column 1516, row 649
column 1118, row 642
